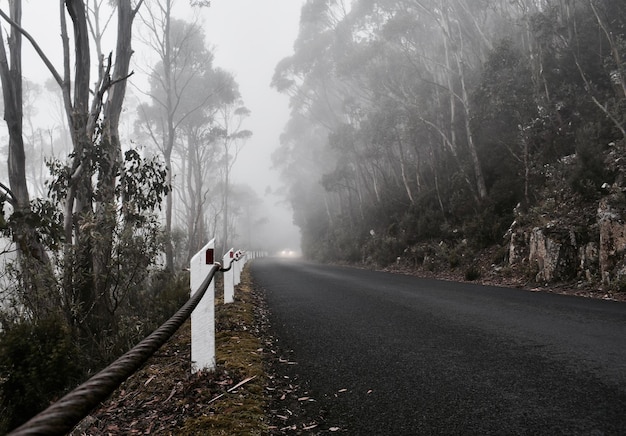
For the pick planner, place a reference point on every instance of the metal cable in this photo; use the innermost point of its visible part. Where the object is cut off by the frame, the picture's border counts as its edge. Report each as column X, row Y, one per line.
column 232, row 262
column 62, row 416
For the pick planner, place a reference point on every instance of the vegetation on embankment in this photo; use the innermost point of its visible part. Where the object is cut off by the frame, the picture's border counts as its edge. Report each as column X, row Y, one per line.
column 419, row 135
column 165, row 398
column 41, row 358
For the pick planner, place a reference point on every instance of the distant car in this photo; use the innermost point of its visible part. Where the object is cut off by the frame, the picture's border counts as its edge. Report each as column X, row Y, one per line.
column 287, row 252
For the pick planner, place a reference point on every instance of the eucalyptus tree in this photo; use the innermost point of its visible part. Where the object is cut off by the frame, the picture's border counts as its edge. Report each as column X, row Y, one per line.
column 612, row 28
column 576, row 49
column 301, row 159
column 507, row 119
column 97, row 178
column 31, row 251
column 201, row 155
column 324, row 98
column 174, row 96
column 390, row 81
column 440, row 43
column 232, row 136
column 34, row 140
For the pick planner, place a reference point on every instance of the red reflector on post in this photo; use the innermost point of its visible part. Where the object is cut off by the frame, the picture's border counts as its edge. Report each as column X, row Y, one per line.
column 209, row 257
column 232, row 254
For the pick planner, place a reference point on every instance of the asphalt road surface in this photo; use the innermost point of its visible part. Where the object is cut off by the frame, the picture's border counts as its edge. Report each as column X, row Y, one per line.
column 388, row 354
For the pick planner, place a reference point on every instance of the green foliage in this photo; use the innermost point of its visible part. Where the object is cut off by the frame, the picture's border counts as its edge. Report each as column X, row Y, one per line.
column 589, row 172
column 428, row 224
column 455, row 257
column 142, row 185
column 41, row 222
column 486, row 227
column 383, row 251
column 168, row 294
column 45, row 219
column 150, row 304
column 472, row 273
column 619, row 284
column 105, row 324
column 61, row 175
column 504, row 98
column 42, row 359
column 38, row 362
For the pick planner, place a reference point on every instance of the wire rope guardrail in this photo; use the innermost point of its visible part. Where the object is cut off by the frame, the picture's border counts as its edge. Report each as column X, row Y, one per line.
column 62, row 416
column 232, row 273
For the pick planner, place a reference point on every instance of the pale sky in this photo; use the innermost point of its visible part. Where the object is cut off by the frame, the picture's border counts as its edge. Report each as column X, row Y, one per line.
column 250, row 37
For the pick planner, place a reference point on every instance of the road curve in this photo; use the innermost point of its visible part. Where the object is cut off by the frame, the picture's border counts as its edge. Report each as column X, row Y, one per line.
column 388, row 354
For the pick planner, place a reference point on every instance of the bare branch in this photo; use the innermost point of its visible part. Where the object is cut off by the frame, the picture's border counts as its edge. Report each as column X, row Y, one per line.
column 8, row 194
column 137, row 8
column 38, row 49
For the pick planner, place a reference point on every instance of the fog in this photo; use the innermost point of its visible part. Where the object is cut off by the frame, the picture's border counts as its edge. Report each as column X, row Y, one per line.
column 247, row 39
column 376, row 127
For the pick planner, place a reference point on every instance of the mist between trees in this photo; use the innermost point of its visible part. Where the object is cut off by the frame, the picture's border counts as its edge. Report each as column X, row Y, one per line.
column 430, row 120
column 104, row 199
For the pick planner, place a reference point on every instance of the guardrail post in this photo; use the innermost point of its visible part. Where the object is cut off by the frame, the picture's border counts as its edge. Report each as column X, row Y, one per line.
column 229, row 276
column 238, row 266
column 203, row 317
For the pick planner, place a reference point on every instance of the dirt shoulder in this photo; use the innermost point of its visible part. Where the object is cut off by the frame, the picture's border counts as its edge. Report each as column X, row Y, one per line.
column 510, row 277
column 165, row 398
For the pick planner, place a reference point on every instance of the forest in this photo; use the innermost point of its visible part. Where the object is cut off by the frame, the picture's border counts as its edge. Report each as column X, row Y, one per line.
column 482, row 136
column 427, row 133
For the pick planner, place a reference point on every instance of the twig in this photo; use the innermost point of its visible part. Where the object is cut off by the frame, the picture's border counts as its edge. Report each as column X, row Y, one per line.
column 171, row 394
column 233, row 388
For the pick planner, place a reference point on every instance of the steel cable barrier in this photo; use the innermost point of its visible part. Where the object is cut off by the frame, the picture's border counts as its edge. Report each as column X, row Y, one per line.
column 62, row 416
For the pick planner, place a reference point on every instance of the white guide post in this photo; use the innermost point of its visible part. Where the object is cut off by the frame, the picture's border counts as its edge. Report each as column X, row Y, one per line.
column 203, row 316
column 229, row 276
column 238, row 266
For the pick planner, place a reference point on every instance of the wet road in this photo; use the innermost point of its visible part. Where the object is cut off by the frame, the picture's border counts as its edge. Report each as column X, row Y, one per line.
column 387, row 354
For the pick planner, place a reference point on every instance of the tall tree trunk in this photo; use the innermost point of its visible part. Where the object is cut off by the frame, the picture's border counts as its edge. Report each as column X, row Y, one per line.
column 403, row 165
column 169, row 248
column 478, row 171
column 225, row 240
column 79, row 274
column 33, row 258
column 191, row 206
column 171, row 132
column 13, row 104
column 457, row 49
column 115, row 86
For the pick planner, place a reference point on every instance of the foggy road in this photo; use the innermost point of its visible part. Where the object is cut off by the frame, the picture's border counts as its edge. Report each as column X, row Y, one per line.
column 386, row 354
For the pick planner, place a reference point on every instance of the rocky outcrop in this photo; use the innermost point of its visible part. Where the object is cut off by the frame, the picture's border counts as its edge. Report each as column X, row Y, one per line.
column 555, row 254
column 518, row 246
column 577, row 240
column 612, row 248
column 588, row 268
column 553, row 251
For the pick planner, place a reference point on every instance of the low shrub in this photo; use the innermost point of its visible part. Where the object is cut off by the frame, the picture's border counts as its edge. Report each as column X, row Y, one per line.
column 38, row 362
column 472, row 273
